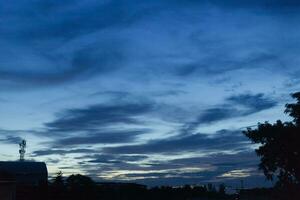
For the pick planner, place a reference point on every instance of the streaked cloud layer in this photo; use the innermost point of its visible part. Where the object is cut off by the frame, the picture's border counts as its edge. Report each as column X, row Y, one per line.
column 156, row 92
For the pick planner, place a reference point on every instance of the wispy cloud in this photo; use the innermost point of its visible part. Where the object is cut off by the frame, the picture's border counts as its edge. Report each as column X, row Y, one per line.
column 224, row 140
column 104, row 137
column 101, row 115
column 11, row 139
column 234, row 106
column 51, row 151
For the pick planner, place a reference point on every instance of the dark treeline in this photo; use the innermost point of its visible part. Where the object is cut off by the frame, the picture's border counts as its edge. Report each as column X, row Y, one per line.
column 80, row 187
column 84, row 188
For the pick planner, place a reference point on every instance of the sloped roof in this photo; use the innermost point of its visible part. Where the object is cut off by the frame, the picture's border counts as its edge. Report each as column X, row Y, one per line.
column 37, row 167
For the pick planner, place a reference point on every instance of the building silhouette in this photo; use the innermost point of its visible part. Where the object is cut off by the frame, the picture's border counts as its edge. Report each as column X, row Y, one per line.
column 18, row 179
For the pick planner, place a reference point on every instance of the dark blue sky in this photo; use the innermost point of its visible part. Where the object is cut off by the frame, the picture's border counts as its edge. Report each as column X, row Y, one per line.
column 156, row 92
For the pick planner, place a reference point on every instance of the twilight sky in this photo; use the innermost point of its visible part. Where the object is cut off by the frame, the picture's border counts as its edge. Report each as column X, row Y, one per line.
column 155, row 92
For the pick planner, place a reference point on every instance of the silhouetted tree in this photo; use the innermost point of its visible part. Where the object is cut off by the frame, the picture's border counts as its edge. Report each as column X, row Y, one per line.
column 280, row 146
column 81, row 187
column 222, row 189
column 58, row 180
column 211, row 188
column 57, row 186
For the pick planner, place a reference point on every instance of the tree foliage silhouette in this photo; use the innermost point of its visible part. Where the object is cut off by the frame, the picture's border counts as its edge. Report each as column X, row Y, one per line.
column 222, row 189
column 81, row 187
column 279, row 148
column 58, row 180
column 58, row 184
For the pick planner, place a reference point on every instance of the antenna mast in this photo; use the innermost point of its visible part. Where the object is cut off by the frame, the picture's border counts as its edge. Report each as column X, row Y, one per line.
column 22, row 150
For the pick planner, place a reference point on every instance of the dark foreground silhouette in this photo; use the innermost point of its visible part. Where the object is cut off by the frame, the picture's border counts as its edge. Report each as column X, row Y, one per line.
column 79, row 187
